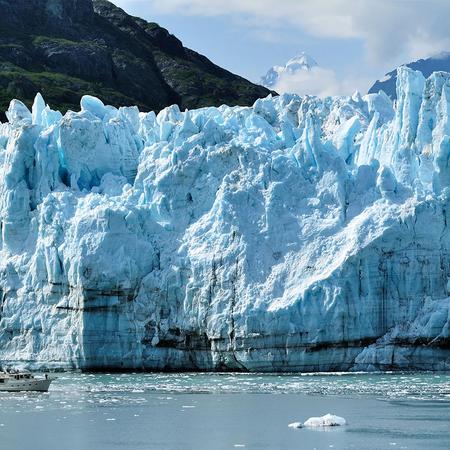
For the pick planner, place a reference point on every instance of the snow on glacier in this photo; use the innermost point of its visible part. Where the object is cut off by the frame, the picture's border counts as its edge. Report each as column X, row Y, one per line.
column 298, row 234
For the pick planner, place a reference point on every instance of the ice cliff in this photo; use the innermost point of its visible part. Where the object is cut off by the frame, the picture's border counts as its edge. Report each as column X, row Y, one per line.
column 299, row 234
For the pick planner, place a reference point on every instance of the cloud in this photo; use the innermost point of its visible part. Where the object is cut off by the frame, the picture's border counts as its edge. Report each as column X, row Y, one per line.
column 317, row 81
column 392, row 30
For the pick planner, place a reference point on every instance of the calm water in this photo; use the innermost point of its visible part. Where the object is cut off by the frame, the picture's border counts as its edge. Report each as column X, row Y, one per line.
column 215, row 412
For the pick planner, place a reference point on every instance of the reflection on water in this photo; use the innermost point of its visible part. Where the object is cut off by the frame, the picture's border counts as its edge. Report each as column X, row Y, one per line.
column 215, row 411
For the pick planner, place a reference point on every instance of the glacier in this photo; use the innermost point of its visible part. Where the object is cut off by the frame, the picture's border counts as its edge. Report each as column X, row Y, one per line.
column 300, row 234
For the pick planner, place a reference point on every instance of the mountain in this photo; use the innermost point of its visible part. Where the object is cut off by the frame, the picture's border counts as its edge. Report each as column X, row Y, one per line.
column 300, row 234
column 426, row 66
column 302, row 62
column 66, row 48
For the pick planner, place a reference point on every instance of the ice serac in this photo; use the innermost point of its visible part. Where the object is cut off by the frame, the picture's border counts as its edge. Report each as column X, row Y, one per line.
column 300, row 234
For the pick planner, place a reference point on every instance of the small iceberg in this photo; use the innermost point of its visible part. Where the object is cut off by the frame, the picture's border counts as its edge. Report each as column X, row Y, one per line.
column 295, row 425
column 328, row 420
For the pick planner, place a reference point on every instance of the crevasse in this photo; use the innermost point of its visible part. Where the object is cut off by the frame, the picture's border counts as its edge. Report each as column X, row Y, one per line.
column 300, row 234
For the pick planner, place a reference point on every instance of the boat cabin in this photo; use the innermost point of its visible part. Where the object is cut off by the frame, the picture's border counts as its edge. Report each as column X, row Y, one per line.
column 15, row 376
column 21, row 376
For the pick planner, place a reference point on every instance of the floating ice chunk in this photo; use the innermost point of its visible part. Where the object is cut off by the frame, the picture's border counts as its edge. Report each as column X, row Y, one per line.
column 328, row 420
column 295, row 425
column 94, row 105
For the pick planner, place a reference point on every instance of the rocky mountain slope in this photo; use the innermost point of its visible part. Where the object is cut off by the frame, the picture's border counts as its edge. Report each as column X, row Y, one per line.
column 300, row 234
column 426, row 66
column 67, row 48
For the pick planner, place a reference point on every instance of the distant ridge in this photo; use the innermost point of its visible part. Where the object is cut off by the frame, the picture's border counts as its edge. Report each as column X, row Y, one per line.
column 438, row 63
column 67, row 48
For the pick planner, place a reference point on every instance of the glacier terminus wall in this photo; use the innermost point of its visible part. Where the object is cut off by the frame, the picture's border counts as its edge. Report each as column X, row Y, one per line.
column 300, row 234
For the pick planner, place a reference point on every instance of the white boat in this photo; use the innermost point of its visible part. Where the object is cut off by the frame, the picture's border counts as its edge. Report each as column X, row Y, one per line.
column 23, row 381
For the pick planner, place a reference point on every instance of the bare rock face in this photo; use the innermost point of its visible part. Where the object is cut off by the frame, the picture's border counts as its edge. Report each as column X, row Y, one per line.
column 72, row 11
column 49, row 13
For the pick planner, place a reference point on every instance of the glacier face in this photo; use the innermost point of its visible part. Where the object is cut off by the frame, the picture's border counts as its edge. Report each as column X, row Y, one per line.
column 300, row 234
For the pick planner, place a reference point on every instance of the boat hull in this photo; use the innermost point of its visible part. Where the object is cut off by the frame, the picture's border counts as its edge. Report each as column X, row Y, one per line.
column 26, row 385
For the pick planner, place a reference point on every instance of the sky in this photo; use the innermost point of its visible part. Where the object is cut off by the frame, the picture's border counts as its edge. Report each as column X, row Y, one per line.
column 355, row 42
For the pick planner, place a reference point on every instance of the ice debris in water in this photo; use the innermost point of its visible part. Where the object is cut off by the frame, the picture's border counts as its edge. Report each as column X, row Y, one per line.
column 328, row 420
column 297, row 234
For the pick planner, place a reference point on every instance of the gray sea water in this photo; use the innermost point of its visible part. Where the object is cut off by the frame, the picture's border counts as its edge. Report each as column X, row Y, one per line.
column 228, row 411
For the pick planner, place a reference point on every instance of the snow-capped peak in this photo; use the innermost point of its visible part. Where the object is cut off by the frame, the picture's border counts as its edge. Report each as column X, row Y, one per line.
column 301, row 62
